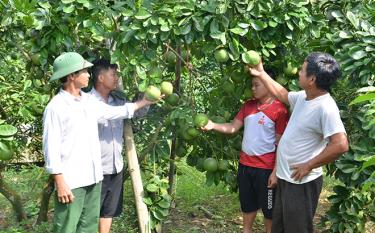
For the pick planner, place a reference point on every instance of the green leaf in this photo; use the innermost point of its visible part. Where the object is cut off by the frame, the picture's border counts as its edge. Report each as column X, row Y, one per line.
column 353, row 19
column 358, row 54
column 258, row 25
column 366, row 89
column 142, row 14
column 68, row 9
column 152, row 188
column 272, row 23
column 147, row 200
column 345, row 34
column 239, row 31
column 363, row 98
column 157, row 214
column 7, row 130
column 164, row 204
column 219, row 36
column 67, row 1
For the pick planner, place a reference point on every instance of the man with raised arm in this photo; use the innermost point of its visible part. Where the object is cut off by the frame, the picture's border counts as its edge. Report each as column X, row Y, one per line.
column 314, row 136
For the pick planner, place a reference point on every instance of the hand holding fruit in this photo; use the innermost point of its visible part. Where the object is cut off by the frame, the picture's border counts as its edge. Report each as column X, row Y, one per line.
column 209, row 126
column 257, row 70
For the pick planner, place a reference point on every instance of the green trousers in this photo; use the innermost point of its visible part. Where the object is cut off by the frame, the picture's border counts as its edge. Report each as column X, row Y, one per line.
column 81, row 216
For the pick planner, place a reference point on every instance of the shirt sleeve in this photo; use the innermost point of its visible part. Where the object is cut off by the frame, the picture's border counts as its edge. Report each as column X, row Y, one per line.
column 52, row 139
column 331, row 121
column 241, row 114
column 108, row 112
column 293, row 97
column 281, row 120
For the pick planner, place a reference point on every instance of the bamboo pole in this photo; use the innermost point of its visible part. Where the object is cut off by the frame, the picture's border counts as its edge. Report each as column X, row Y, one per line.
column 135, row 174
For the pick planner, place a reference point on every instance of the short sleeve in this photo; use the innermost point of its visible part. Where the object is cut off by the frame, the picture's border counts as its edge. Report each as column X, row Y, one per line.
column 282, row 120
column 241, row 114
column 293, row 97
column 331, row 121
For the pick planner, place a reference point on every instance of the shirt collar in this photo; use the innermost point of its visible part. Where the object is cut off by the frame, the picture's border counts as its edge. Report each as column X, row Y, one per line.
column 70, row 98
column 100, row 97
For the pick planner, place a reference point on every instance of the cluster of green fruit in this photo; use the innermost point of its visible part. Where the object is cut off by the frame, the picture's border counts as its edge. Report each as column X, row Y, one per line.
column 6, row 138
column 153, row 93
column 250, row 57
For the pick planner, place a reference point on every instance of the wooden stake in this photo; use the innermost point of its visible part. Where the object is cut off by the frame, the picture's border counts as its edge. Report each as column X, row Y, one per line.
column 135, row 174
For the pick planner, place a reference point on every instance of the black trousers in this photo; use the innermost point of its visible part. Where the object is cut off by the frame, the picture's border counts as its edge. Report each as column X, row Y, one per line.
column 295, row 206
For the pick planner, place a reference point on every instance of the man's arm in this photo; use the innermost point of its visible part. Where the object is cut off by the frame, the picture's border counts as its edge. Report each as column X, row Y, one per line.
column 64, row 193
column 227, row 128
column 274, row 87
column 338, row 144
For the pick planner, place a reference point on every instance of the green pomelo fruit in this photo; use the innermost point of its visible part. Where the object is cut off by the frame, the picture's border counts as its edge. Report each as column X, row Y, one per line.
column 6, row 152
column 282, row 80
column 35, row 59
column 251, row 57
column 228, row 87
column 227, row 116
column 173, row 99
column 200, row 120
column 200, row 164
column 193, row 132
column 191, row 160
column 248, row 93
column 185, row 55
column 237, row 77
column 221, row 55
column 166, row 88
column 155, row 72
column 210, row 165
column 223, row 165
column 186, row 136
column 170, row 57
column 290, row 70
column 152, row 93
column 181, row 151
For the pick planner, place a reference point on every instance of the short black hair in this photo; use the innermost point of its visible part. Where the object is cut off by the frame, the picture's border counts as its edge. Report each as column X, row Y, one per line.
column 324, row 67
column 270, row 71
column 99, row 65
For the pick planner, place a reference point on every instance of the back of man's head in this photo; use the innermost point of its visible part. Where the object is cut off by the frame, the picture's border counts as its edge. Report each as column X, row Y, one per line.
column 324, row 67
column 100, row 65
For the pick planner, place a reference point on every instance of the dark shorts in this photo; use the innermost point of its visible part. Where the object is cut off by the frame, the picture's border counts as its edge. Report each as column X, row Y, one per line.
column 253, row 191
column 295, row 206
column 112, row 195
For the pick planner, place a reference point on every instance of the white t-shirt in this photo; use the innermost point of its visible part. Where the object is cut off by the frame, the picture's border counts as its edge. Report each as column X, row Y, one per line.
column 311, row 124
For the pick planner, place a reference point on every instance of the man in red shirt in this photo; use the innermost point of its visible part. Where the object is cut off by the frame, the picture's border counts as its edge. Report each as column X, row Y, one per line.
column 264, row 119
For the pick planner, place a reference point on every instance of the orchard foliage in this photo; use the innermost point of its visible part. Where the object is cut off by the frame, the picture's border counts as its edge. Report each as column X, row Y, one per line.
column 197, row 45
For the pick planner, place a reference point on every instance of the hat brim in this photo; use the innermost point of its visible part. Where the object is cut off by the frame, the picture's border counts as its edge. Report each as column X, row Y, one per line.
column 69, row 70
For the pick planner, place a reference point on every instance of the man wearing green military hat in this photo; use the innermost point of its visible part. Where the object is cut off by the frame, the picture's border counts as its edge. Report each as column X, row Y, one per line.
column 71, row 144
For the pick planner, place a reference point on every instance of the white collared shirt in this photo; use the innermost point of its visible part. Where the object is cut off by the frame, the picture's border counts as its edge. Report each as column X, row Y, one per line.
column 70, row 136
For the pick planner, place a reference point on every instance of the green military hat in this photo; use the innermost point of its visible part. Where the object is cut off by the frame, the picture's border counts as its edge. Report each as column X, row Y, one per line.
column 68, row 63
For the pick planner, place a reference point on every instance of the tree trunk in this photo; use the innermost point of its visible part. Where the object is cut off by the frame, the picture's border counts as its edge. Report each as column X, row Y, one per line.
column 135, row 174
column 44, row 201
column 13, row 198
column 172, row 165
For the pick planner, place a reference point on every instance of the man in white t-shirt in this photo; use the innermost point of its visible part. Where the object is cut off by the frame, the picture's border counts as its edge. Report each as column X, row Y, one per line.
column 314, row 136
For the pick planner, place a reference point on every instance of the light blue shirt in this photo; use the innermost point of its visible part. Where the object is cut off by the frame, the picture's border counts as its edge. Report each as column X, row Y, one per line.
column 111, row 138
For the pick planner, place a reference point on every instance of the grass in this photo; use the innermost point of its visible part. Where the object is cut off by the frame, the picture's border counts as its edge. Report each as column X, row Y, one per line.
column 197, row 207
